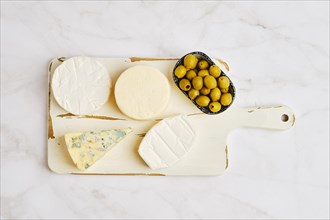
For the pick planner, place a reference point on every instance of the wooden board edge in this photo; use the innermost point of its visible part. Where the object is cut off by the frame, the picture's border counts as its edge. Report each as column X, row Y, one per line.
column 119, row 174
column 226, row 150
column 223, row 63
column 136, row 59
column 50, row 122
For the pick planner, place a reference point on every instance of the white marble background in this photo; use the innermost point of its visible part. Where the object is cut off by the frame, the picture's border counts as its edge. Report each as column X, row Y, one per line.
column 278, row 53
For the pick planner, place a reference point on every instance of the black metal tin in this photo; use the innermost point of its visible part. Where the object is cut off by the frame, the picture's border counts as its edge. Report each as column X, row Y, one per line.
column 201, row 55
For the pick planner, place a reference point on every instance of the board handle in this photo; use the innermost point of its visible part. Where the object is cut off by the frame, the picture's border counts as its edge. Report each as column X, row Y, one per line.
column 276, row 117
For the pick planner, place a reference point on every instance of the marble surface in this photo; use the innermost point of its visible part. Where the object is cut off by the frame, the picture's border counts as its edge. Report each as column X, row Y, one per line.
column 278, row 53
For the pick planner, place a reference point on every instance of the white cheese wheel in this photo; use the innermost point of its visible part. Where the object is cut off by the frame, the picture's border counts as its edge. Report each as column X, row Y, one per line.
column 142, row 92
column 81, row 85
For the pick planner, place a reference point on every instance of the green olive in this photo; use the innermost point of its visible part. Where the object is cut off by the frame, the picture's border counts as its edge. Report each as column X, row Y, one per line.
column 185, row 84
column 180, row 71
column 190, row 61
column 215, row 71
column 203, row 73
column 205, row 91
column 226, row 99
column 210, row 82
column 191, row 74
column 215, row 106
column 203, row 100
column 193, row 93
column 215, row 94
column 223, row 82
column 197, row 82
column 203, row 64
column 224, row 90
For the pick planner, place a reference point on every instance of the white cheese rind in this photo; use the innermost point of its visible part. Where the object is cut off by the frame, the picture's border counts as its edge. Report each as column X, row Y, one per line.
column 81, row 85
column 85, row 148
column 142, row 92
column 167, row 142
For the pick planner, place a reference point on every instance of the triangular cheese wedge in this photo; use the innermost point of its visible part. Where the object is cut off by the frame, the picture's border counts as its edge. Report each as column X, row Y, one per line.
column 85, row 148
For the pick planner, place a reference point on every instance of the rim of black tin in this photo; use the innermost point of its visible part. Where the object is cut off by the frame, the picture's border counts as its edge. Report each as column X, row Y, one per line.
column 205, row 110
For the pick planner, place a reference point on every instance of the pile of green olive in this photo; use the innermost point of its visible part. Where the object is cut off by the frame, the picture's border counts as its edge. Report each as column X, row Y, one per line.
column 204, row 83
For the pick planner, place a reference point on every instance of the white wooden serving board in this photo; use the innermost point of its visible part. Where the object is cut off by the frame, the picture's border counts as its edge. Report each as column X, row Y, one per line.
column 208, row 156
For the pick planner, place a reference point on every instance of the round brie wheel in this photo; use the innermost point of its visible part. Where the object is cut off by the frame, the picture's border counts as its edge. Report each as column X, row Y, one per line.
column 142, row 92
column 81, row 85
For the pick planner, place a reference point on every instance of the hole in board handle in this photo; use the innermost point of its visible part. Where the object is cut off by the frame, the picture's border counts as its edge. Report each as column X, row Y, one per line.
column 285, row 118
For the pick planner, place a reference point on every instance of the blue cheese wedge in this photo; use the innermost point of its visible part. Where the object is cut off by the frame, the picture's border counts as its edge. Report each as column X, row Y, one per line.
column 85, row 148
column 167, row 142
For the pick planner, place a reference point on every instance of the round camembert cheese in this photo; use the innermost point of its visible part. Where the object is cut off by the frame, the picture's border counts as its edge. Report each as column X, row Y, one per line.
column 81, row 85
column 142, row 92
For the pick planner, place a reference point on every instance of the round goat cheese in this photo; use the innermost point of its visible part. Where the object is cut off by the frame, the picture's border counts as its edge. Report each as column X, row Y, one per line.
column 142, row 92
column 81, row 85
